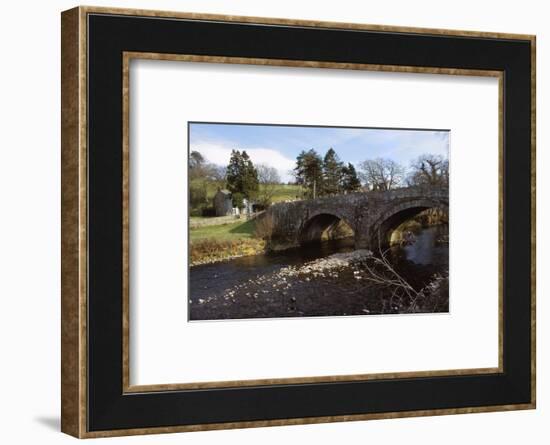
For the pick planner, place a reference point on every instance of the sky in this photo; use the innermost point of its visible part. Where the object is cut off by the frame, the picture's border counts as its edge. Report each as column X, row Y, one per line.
column 278, row 146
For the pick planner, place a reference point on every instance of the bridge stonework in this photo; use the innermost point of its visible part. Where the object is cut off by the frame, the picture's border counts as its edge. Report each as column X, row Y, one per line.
column 371, row 215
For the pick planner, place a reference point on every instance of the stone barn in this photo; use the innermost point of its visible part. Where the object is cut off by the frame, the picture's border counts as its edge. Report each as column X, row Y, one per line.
column 223, row 203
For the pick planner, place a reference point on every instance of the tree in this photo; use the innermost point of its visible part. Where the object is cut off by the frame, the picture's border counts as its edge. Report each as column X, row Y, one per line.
column 241, row 175
column 429, row 169
column 234, row 172
column 217, row 175
column 196, row 160
column 309, row 172
column 332, row 173
column 197, row 194
column 197, row 180
column 250, row 182
column 350, row 181
column 382, row 173
column 237, row 199
column 269, row 179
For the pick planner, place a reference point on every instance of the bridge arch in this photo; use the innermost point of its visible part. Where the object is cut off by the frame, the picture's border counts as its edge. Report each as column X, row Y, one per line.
column 368, row 214
column 392, row 217
column 321, row 224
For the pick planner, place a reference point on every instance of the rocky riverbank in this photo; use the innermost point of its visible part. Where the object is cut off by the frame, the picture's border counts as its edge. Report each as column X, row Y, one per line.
column 335, row 285
column 328, row 265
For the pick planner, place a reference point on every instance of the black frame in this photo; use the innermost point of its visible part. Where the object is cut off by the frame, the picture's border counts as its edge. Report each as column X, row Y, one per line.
column 109, row 407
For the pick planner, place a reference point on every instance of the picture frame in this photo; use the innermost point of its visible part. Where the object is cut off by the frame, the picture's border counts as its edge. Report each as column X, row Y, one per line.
column 97, row 395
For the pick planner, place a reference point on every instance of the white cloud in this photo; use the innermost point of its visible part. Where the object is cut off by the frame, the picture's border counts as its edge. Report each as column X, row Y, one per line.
column 219, row 154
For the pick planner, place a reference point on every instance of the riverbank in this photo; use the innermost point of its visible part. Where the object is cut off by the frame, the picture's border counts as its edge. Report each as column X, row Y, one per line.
column 208, row 251
column 213, row 243
column 333, row 284
column 406, row 232
column 196, row 222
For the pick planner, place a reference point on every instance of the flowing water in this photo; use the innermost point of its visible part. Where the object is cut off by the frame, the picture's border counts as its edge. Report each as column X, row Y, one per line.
column 256, row 287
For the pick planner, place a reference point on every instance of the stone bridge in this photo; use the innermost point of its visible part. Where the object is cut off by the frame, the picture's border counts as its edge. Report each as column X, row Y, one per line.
column 371, row 215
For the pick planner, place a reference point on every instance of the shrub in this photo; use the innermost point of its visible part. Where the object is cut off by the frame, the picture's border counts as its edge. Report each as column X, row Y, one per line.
column 208, row 211
column 197, row 194
column 238, row 200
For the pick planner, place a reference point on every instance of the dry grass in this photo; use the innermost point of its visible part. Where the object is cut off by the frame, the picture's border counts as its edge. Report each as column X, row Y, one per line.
column 210, row 250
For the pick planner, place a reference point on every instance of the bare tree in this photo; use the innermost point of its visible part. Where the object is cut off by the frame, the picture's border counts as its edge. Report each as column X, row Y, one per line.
column 433, row 297
column 217, row 174
column 381, row 173
column 429, row 169
column 201, row 169
column 269, row 179
column 196, row 160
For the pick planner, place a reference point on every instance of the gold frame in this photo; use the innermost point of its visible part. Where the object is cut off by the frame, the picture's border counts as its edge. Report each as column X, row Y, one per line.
column 74, row 205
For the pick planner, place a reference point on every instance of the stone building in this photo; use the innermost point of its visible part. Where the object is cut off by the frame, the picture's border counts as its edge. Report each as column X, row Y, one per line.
column 223, row 203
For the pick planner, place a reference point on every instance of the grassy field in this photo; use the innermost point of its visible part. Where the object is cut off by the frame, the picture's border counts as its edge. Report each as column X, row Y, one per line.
column 285, row 192
column 217, row 242
column 282, row 192
column 235, row 231
column 240, row 229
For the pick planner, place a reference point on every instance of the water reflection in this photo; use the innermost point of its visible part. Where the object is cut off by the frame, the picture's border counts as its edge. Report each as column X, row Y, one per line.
column 249, row 287
column 429, row 246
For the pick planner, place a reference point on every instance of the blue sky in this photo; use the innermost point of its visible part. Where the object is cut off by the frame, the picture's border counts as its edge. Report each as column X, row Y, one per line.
column 278, row 146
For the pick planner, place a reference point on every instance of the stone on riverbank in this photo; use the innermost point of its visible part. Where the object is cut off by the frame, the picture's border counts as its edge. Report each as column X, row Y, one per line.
column 322, row 265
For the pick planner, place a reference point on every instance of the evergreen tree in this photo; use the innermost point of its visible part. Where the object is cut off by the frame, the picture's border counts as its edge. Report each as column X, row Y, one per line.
column 241, row 175
column 234, row 172
column 332, row 173
column 238, row 200
column 309, row 172
column 350, row 181
column 250, row 181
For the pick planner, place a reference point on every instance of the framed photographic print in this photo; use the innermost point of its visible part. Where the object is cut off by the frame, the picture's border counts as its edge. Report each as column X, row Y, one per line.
column 274, row 222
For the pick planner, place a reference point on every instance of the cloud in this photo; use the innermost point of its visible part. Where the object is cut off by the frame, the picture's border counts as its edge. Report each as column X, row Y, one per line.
column 278, row 146
column 219, row 153
column 403, row 145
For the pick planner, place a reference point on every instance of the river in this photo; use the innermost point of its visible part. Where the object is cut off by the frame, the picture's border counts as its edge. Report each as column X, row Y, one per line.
column 256, row 287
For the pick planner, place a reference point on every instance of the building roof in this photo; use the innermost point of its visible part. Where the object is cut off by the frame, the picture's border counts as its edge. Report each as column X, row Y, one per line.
column 224, row 191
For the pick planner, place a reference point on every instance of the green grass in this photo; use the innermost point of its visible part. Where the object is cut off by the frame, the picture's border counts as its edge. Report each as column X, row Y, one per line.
column 217, row 242
column 284, row 192
column 238, row 230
